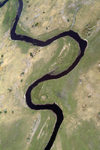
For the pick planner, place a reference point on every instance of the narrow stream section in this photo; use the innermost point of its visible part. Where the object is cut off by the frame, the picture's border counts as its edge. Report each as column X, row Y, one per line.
column 52, row 107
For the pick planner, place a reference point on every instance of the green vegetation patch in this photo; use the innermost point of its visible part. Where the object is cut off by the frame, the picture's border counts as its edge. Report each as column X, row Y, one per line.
column 85, row 137
column 44, row 131
column 11, row 11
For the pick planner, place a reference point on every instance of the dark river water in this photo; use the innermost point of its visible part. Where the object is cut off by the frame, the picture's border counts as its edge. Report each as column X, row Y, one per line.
column 52, row 107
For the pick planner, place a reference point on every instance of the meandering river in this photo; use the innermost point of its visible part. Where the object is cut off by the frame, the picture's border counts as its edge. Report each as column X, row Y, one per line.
column 52, row 107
